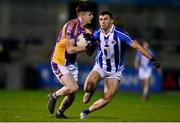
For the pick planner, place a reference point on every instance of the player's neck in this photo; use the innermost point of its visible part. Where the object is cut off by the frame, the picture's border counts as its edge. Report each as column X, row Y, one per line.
column 106, row 31
column 82, row 24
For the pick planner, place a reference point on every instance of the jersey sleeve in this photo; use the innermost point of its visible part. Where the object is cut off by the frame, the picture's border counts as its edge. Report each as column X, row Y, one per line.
column 124, row 36
column 96, row 34
column 69, row 29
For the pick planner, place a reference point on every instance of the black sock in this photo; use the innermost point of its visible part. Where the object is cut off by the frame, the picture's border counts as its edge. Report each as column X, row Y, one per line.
column 59, row 111
column 91, row 91
column 54, row 95
column 86, row 111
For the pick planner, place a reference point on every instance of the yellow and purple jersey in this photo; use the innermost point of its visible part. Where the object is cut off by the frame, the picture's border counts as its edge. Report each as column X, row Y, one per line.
column 73, row 29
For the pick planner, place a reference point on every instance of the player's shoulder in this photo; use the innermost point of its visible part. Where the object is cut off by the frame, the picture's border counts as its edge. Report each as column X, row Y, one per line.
column 97, row 33
column 120, row 30
column 72, row 22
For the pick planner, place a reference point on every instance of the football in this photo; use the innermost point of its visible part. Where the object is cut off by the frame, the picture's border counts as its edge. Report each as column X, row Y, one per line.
column 81, row 41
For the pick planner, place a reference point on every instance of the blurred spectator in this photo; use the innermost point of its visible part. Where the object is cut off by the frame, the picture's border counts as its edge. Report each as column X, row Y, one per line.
column 4, row 51
column 145, row 69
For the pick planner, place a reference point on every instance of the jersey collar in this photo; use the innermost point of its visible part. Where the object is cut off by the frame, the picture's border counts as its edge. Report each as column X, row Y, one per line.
column 110, row 31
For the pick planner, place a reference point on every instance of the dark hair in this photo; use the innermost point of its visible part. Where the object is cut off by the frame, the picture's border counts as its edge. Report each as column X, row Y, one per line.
column 106, row 13
column 83, row 7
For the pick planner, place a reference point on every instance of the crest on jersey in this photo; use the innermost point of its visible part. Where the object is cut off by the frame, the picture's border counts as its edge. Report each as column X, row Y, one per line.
column 113, row 42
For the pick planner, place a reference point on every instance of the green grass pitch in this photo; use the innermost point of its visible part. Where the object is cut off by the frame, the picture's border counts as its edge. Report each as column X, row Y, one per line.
column 22, row 105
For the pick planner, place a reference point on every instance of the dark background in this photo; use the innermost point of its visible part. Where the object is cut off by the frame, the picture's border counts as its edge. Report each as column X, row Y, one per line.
column 28, row 31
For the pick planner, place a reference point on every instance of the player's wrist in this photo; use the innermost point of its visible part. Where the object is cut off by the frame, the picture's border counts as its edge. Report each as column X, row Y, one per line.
column 155, row 62
column 84, row 48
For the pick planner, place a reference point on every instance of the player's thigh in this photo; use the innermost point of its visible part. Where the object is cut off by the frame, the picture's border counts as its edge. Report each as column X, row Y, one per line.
column 68, row 80
column 111, row 86
column 67, row 75
column 93, row 77
column 146, row 81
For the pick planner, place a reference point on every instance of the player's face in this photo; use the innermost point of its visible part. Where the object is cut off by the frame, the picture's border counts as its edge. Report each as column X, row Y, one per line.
column 87, row 17
column 105, row 22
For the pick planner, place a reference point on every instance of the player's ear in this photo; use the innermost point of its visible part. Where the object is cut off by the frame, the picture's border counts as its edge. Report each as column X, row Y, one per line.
column 80, row 14
column 112, row 21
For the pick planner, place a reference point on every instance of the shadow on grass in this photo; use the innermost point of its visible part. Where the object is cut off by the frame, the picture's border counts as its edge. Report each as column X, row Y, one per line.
column 96, row 118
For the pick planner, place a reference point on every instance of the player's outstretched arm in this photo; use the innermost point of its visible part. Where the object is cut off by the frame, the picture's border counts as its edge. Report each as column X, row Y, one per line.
column 155, row 62
column 146, row 53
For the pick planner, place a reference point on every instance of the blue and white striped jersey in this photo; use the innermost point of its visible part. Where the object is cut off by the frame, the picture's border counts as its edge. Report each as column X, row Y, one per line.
column 110, row 54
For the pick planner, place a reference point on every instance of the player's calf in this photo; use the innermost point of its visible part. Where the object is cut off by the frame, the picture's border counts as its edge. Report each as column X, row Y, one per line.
column 51, row 103
column 87, row 96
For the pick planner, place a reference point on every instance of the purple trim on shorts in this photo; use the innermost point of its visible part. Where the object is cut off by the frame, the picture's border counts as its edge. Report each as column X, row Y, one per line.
column 54, row 65
column 60, row 76
column 56, row 69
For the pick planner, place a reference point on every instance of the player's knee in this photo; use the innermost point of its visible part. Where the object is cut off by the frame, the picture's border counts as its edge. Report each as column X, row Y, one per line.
column 89, row 85
column 74, row 89
column 108, row 96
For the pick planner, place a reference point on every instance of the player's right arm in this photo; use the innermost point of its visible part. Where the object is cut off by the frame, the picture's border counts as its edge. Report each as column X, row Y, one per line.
column 70, row 38
column 70, row 46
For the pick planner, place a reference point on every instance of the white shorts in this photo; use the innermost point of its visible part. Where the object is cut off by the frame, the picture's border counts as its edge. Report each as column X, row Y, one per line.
column 60, row 70
column 144, row 73
column 105, row 74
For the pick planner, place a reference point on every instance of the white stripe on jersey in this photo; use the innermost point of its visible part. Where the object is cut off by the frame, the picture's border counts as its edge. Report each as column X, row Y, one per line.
column 110, row 51
column 124, row 34
column 102, row 47
column 119, row 48
column 112, row 55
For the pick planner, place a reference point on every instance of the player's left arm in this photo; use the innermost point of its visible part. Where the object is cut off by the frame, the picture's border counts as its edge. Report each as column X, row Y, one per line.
column 92, row 43
column 141, row 49
column 145, row 52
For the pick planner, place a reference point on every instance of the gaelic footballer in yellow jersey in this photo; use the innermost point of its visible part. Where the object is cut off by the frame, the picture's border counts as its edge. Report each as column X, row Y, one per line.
column 73, row 29
column 63, row 59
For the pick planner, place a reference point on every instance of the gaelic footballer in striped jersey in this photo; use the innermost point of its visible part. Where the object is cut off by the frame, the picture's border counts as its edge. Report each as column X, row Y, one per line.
column 109, row 63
